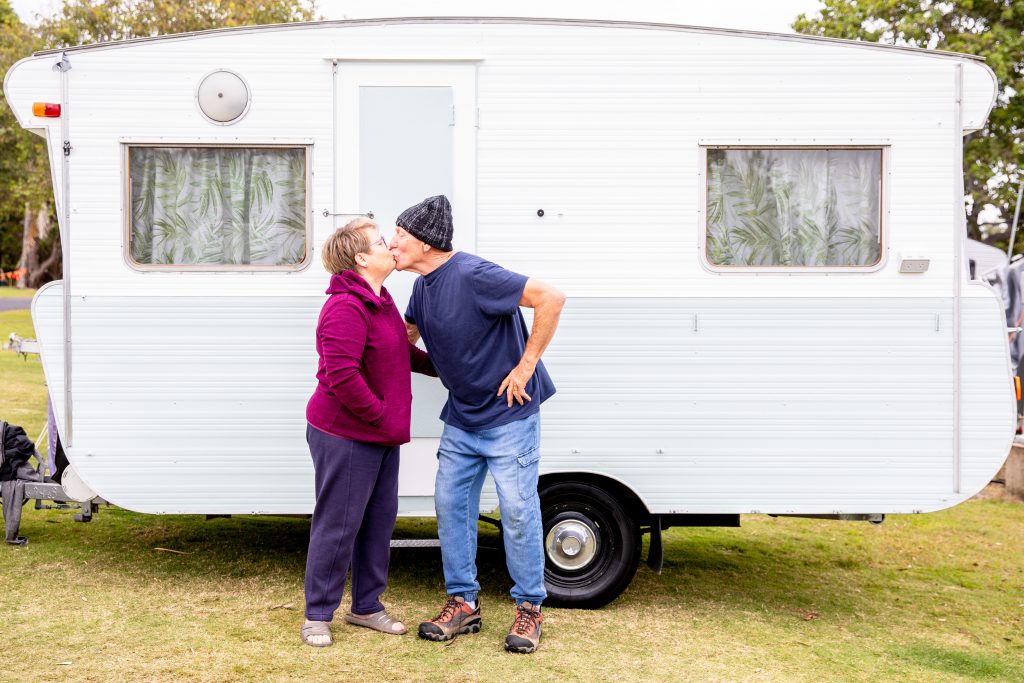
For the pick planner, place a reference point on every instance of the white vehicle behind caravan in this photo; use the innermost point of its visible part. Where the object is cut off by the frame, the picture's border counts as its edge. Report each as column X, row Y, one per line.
column 761, row 237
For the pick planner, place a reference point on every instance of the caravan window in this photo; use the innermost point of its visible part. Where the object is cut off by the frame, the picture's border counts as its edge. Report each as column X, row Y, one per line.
column 218, row 208
column 793, row 208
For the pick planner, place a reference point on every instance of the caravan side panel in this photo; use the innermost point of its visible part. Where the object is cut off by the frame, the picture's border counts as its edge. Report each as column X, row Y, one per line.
column 704, row 391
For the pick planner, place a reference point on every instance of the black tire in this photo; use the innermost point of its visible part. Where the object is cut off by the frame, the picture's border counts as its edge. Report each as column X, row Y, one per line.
column 617, row 553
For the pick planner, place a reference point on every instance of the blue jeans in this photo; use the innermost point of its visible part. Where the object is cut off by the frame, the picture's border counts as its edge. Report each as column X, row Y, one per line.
column 512, row 454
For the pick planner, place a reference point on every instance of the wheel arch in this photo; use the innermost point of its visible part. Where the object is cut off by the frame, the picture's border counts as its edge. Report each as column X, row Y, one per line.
column 614, row 486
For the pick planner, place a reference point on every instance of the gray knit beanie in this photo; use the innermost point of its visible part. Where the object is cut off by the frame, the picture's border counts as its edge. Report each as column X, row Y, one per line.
column 429, row 221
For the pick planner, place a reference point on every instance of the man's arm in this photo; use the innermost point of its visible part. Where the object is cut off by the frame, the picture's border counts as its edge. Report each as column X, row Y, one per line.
column 420, row 362
column 413, row 332
column 546, row 302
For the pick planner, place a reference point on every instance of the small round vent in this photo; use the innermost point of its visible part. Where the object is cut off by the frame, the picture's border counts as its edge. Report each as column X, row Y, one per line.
column 223, row 97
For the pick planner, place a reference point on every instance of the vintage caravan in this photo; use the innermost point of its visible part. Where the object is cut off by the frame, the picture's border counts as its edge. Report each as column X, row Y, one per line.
column 761, row 237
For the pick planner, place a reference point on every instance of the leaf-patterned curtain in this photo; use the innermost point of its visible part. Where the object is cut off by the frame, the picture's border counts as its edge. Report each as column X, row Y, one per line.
column 793, row 207
column 218, row 206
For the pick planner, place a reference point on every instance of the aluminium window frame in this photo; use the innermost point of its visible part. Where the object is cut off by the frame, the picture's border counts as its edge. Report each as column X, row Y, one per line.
column 127, row 144
column 884, row 147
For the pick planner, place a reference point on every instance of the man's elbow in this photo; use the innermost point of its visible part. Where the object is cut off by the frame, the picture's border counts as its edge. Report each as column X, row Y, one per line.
column 555, row 298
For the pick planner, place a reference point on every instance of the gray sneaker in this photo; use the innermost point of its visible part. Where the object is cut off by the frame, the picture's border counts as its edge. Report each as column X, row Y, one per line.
column 456, row 617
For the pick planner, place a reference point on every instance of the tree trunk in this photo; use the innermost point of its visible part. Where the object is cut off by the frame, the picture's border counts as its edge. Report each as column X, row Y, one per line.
column 50, row 269
column 35, row 230
column 29, row 238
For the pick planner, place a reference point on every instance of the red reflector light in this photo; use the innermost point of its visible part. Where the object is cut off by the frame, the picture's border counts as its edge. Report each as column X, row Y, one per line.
column 47, row 109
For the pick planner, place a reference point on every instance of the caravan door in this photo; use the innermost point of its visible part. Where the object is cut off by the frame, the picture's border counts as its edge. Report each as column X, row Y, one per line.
column 406, row 131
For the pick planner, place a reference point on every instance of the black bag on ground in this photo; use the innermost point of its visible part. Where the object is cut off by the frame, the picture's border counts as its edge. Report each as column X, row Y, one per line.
column 15, row 450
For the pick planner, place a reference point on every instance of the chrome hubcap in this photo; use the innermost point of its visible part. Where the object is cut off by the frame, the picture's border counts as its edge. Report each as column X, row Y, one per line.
column 571, row 545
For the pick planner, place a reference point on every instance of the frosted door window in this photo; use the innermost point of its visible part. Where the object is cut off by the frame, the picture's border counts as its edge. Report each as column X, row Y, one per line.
column 224, row 207
column 405, row 154
column 794, row 207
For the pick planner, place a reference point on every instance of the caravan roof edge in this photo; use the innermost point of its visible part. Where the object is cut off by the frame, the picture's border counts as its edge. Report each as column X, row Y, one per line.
column 767, row 35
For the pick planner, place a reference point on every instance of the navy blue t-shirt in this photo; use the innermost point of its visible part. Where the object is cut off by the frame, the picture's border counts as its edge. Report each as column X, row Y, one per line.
column 467, row 312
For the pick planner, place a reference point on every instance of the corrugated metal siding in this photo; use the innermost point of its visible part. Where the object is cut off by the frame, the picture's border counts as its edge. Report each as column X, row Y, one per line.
column 600, row 127
column 796, row 393
column 814, row 405
column 778, row 405
column 186, row 404
column 988, row 411
column 605, row 136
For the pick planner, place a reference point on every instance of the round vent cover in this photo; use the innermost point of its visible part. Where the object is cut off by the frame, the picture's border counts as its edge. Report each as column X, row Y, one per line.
column 223, row 97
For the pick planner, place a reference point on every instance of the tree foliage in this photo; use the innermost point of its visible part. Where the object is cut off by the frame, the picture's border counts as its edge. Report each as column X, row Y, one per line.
column 98, row 21
column 993, row 29
column 25, row 187
column 24, row 168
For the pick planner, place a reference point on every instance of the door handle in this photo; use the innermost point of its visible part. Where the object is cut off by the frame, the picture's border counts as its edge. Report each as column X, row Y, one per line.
column 328, row 214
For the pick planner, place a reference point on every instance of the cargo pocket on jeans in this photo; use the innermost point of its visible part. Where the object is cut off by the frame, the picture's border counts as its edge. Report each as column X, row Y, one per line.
column 526, row 473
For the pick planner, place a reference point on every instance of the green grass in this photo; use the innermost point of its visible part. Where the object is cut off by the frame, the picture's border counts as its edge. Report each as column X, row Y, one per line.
column 935, row 597
column 928, row 598
column 15, row 293
column 22, row 388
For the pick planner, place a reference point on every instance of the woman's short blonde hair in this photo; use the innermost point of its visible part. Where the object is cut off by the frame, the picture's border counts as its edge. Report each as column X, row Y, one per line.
column 340, row 249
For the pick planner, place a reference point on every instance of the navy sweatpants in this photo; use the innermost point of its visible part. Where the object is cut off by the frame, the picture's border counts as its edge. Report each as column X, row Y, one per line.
column 356, row 505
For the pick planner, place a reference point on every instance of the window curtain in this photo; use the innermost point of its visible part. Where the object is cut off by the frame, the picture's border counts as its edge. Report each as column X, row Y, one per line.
column 218, row 206
column 775, row 207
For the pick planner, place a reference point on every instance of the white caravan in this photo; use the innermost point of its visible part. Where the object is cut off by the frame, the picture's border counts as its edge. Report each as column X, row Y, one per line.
column 762, row 240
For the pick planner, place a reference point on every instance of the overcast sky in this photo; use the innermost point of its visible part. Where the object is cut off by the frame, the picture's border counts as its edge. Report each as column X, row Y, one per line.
column 755, row 15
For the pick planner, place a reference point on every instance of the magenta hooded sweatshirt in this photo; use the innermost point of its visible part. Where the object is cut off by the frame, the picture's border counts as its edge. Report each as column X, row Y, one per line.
column 364, row 390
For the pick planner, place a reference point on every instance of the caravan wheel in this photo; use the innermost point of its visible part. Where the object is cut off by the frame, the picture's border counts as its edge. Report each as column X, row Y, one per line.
column 591, row 545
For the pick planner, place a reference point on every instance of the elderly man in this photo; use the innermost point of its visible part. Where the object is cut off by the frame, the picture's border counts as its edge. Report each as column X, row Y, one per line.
column 467, row 311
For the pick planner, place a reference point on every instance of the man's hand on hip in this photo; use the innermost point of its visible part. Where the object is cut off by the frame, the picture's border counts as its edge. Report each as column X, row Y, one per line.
column 514, row 384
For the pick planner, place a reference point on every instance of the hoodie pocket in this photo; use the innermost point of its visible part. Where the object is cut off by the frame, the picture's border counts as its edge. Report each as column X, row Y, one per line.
column 383, row 414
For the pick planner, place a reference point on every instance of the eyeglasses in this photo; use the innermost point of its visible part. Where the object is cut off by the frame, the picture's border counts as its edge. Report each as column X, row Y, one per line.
column 380, row 240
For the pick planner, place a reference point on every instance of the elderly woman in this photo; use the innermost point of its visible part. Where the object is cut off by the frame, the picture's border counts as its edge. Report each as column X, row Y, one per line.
column 358, row 417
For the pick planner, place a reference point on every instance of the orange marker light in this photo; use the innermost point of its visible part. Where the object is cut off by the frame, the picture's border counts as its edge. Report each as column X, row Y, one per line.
column 47, row 109
column 1016, row 386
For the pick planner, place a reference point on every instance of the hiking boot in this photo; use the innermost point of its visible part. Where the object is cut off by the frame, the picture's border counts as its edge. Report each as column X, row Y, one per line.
column 456, row 617
column 524, row 636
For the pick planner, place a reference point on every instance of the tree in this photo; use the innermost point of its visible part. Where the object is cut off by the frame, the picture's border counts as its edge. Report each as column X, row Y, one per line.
column 98, row 21
column 993, row 29
column 26, row 194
